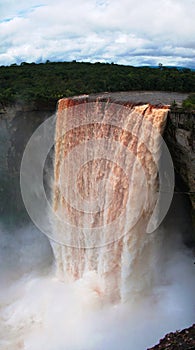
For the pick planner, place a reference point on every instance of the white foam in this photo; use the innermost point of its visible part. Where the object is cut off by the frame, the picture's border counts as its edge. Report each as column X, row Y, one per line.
column 38, row 311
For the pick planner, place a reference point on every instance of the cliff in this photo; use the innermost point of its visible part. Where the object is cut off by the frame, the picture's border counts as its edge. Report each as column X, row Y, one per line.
column 17, row 124
column 180, row 138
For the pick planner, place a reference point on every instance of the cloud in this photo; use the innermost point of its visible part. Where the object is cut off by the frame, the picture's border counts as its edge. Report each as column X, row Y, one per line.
column 127, row 32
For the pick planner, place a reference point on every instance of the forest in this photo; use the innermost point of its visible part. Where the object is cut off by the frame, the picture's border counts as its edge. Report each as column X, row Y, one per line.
column 50, row 81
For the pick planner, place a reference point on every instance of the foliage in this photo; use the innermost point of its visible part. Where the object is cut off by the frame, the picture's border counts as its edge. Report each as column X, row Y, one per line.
column 189, row 103
column 51, row 81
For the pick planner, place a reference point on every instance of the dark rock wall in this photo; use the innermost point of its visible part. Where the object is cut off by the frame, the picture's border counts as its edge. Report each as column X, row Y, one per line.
column 17, row 124
column 180, row 138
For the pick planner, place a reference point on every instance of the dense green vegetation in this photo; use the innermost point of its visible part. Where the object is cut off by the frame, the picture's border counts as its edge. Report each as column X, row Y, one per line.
column 189, row 103
column 50, row 81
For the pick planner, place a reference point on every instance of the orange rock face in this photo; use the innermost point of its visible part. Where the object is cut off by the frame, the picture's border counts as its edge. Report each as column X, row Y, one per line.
column 105, row 189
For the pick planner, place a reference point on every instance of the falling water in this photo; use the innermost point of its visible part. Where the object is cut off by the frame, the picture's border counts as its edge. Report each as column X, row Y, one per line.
column 105, row 191
column 110, row 192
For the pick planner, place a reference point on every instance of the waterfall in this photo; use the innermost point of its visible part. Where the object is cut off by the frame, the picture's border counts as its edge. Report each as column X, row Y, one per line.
column 105, row 192
column 110, row 189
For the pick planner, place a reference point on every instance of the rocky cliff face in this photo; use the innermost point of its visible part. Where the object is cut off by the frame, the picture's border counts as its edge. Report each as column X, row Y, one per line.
column 180, row 138
column 17, row 123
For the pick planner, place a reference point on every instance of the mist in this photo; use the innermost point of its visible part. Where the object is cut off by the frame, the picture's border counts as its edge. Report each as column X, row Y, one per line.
column 37, row 310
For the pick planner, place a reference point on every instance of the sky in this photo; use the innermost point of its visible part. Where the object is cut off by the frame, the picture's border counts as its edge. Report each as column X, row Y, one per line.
column 130, row 32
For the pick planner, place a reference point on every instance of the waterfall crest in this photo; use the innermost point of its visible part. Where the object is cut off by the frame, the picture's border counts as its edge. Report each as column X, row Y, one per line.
column 105, row 190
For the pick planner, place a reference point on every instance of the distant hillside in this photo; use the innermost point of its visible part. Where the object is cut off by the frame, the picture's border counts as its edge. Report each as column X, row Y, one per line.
column 53, row 80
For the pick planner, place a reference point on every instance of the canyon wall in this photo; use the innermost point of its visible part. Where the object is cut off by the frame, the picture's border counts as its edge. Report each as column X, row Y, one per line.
column 180, row 138
column 17, row 124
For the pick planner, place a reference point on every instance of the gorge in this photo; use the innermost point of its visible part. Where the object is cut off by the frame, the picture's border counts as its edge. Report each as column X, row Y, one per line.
column 18, row 122
column 160, row 271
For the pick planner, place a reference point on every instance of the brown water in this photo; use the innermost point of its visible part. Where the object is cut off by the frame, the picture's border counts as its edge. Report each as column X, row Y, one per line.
column 105, row 191
column 107, row 184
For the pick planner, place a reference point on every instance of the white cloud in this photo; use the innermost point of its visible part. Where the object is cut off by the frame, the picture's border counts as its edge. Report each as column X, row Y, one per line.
column 129, row 32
